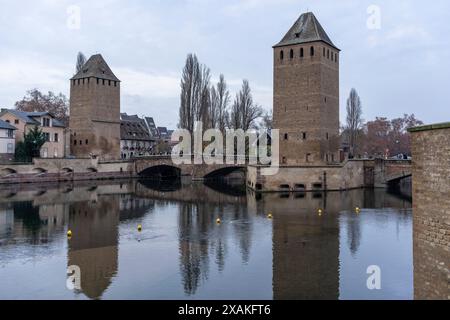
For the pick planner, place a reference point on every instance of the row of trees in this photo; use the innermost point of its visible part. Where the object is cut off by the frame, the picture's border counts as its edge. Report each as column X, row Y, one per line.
column 210, row 103
column 379, row 137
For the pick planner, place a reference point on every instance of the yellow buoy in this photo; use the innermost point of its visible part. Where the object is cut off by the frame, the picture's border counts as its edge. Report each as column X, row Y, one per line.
column 218, row 221
column 139, row 228
column 357, row 210
column 69, row 234
column 320, row 211
column 270, row 216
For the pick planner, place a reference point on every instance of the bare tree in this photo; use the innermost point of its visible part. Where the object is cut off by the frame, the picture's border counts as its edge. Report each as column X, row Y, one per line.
column 195, row 94
column 203, row 108
column 81, row 60
column 267, row 120
column 244, row 111
column 220, row 99
column 213, row 109
column 35, row 101
column 354, row 120
column 189, row 93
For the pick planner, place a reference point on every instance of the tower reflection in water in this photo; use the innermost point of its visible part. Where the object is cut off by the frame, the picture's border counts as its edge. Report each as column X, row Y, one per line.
column 94, row 246
column 316, row 254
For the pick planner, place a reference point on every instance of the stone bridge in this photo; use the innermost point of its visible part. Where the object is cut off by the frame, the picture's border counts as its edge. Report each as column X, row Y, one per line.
column 164, row 166
column 389, row 172
column 378, row 173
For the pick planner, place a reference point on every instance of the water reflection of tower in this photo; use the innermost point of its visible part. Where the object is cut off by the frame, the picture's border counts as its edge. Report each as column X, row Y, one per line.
column 305, row 247
column 94, row 245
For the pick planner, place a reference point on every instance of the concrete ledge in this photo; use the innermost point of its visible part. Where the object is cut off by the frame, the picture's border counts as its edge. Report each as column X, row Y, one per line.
column 445, row 125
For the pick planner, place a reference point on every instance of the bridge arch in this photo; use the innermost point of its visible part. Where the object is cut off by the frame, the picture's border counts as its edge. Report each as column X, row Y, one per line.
column 39, row 171
column 223, row 172
column 7, row 172
column 161, row 171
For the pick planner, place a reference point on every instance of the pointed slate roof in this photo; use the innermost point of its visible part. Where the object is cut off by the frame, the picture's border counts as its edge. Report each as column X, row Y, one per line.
column 306, row 29
column 96, row 67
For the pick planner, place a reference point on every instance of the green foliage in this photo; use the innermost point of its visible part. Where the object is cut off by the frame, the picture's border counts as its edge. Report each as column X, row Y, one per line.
column 21, row 153
column 31, row 146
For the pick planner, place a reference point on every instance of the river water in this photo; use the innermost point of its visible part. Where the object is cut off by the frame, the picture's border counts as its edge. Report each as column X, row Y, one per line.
column 183, row 253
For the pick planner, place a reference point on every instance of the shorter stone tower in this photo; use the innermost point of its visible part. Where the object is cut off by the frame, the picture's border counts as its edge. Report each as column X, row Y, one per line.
column 306, row 94
column 95, row 111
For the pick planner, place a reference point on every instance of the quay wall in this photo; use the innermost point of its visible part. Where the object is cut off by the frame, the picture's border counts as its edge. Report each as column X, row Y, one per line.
column 51, row 170
column 431, row 211
column 350, row 175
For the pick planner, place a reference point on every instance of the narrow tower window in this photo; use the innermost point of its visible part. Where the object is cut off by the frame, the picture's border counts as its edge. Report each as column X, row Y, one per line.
column 302, row 53
column 291, row 54
column 324, row 50
column 312, row 51
column 328, row 54
column 281, row 55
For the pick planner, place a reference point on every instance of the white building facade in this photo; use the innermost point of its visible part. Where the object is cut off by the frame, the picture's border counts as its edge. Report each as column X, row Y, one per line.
column 7, row 141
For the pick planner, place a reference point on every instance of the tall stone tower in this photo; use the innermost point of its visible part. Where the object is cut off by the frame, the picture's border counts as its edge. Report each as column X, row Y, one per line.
column 306, row 94
column 95, row 111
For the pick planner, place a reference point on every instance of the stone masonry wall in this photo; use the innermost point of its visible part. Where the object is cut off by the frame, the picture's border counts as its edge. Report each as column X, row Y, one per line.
column 297, row 178
column 431, row 209
column 95, row 118
column 306, row 101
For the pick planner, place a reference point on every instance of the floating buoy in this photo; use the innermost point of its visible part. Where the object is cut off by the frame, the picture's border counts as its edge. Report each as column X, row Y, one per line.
column 139, row 228
column 270, row 216
column 218, row 221
column 357, row 210
column 69, row 234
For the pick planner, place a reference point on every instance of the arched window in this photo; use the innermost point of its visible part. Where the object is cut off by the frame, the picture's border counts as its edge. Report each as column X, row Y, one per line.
column 312, row 51
column 281, row 55
column 291, row 54
column 302, row 53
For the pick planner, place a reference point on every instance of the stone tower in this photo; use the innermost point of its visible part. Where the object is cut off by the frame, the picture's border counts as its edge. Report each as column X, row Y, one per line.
column 306, row 94
column 95, row 111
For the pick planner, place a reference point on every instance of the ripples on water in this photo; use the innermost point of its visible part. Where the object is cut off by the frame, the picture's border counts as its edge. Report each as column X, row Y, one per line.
column 182, row 253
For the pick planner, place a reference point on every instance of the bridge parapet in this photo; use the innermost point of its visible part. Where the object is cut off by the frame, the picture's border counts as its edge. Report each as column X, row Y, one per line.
column 388, row 171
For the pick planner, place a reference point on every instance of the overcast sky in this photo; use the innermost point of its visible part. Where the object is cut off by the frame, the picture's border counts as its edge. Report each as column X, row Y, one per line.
column 401, row 67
